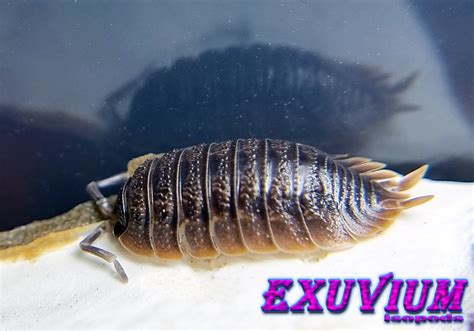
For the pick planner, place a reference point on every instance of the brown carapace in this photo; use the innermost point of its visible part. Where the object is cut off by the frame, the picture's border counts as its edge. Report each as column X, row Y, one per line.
column 259, row 196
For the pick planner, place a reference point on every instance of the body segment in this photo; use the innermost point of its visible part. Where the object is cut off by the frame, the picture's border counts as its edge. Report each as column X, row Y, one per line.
column 260, row 196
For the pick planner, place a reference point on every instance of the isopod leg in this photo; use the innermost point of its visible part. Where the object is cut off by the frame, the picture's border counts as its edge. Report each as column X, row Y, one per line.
column 93, row 188
column 86, row 246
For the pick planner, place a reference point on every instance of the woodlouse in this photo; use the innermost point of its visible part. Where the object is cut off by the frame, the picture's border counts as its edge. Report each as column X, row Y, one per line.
column 251, row 195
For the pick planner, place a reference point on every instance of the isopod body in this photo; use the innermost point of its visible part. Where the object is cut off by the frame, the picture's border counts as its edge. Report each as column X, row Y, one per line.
column 260, row 196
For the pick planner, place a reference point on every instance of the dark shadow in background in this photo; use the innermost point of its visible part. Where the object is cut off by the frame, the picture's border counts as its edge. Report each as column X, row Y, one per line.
column 451, row 28
column 48, row 158
column 257, row 91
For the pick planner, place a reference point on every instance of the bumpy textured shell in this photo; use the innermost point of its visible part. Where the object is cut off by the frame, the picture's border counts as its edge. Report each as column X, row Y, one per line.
column 258, row 196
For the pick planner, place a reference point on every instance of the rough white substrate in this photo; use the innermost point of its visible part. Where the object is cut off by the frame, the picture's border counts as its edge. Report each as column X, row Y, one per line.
column 69, row 289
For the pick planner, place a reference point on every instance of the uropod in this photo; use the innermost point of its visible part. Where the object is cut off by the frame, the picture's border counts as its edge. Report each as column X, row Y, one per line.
column 249, row 196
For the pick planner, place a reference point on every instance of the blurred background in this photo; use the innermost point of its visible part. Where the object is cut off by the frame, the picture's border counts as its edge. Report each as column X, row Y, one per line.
column 85, row 86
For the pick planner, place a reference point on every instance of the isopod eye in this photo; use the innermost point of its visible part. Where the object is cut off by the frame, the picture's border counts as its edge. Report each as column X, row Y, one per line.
column 120, row 227
column 120, row 208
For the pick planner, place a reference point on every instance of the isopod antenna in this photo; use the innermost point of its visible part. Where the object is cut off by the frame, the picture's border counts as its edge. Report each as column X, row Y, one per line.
column 86, row 246
column 93, row 188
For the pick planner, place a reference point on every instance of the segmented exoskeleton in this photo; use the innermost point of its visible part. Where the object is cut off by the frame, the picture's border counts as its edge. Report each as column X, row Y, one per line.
column 260, row 196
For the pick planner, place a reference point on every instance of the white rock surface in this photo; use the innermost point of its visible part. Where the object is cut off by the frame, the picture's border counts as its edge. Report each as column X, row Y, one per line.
column 69, row 289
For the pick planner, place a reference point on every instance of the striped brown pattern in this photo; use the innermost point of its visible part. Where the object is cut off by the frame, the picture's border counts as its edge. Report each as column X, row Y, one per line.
column 244, row 196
